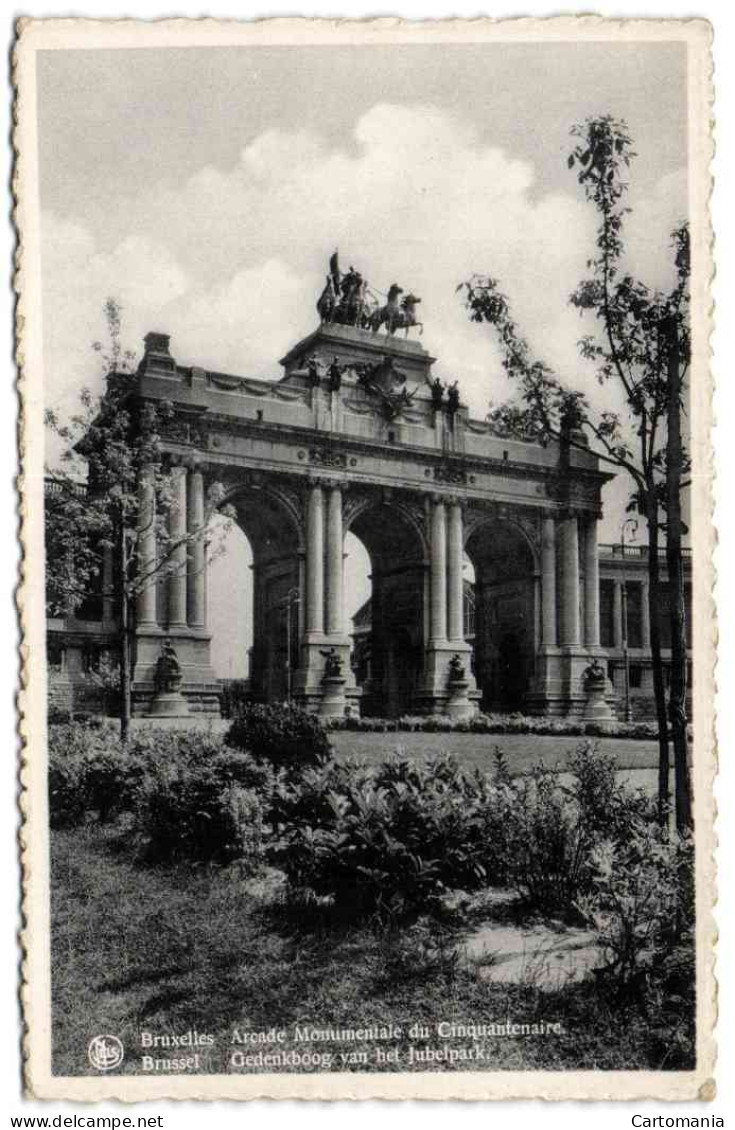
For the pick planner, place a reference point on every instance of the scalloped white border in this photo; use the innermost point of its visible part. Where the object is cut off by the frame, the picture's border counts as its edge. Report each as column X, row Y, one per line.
column 60, row 34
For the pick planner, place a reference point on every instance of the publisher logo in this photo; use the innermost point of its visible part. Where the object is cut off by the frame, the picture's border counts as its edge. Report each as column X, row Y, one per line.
column 105, row 1052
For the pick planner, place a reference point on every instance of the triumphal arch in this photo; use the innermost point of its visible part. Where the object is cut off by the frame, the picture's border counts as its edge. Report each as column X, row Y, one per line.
column 358, row 435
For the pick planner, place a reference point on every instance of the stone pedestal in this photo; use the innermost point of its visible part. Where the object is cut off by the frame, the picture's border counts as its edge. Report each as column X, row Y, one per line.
column 308, row 679
column 458, row 704
column 200, row 687
column 168, row 701
column 438, row 679
column 168, row 704
column 594, row 682
column 333, row 701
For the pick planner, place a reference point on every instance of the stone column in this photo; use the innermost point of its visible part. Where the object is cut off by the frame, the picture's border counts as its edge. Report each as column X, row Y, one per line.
column 548, row 583
column 617, row 614
column 570, row 582
column 146, row 601
column 315, row 561
column 196, row 565
column 438, row 572
column 455, row 585
column 178, row 552
column 302, row 594
column 591, row 586
column 335, row 549
column 645, row 617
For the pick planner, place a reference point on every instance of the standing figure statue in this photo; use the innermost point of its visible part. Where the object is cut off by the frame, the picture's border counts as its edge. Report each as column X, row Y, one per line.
column 453, row 398
column 335, row 273
column 437, row 394
column 334, row 377
column 350, row 304
column 312, row 367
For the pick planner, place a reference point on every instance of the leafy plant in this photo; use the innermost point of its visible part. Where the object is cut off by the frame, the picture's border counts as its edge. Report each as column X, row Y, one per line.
column 552, row 828
column 90, row 773
column 386, row 841
column 641, row 902
column 282, row 734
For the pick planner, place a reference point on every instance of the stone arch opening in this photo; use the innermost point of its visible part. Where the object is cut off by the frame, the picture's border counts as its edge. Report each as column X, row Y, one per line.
column 505, row 623
column 276, row 543
column 389, row 637
column 230, row 599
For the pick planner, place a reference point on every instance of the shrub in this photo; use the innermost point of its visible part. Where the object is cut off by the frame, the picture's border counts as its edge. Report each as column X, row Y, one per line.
column 281, row 734
column 641, row 902
column 496, row 724
column 187, row 811
column 235, row 693
column 198, row 799
column 90, row 772
column 67, row 805
column 551, row 829
column 386, row 841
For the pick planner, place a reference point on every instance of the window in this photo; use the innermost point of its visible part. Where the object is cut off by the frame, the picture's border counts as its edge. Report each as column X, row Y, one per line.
column 634, row 592
column 607, row 613
column 55, row 653
column 636, row 676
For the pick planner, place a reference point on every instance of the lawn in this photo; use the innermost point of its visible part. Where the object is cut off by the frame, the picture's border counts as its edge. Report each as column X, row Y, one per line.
column 522, row 751
column 207, row 949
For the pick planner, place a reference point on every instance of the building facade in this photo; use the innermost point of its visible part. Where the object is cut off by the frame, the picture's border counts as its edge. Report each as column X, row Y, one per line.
column 358, row 435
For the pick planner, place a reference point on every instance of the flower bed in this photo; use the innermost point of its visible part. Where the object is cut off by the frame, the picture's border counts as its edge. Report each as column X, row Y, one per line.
column 496, row 724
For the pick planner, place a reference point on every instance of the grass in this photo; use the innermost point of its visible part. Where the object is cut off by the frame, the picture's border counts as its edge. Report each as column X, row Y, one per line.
column 477, row 750
column 209, row 949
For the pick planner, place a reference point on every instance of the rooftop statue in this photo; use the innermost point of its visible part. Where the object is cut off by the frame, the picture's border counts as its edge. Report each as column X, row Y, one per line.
column 388, row 383
column 437, row 394
column 453, row 398
column 348, row 300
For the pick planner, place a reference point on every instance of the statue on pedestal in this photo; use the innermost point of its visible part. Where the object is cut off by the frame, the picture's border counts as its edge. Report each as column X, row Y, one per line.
column 456, row 669
column 332, row 664
column 594, row 674
column 168, row 670
column 168, row 701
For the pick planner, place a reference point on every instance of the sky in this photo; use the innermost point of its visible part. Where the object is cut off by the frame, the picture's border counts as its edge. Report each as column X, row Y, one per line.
column 206, row 189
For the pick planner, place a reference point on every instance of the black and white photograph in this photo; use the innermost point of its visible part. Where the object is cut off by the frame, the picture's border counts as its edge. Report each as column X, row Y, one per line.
column 369, row 637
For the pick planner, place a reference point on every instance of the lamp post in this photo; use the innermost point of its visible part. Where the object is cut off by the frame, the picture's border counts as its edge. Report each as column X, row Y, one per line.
column 632, row 525
column 291, row 600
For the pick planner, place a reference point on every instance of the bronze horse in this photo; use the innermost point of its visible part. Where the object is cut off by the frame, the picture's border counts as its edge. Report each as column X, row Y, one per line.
column 327, row 301
column 395, row 315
